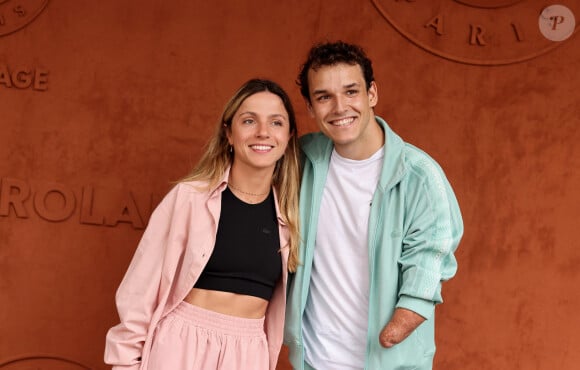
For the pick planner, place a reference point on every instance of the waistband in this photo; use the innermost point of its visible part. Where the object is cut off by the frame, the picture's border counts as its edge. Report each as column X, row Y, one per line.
column 225, row 324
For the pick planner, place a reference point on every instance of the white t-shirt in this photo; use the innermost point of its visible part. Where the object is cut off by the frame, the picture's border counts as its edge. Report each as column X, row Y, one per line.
column 336, row 315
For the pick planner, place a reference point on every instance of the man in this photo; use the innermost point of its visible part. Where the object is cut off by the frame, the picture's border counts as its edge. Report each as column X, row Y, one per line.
column 379, row 225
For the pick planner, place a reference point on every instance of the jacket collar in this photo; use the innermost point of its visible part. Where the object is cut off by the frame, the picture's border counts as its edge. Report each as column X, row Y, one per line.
column 223, row 183
column 394, row 167
column 318, row 149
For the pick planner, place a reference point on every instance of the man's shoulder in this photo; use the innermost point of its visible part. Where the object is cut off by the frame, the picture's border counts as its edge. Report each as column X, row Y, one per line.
column 315, row 145
column 420, row 163
column 313, row 138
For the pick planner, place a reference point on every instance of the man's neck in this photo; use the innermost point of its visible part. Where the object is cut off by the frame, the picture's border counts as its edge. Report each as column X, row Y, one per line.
column 367, row 145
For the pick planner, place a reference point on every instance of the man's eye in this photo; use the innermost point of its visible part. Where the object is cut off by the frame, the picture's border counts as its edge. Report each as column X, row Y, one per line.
column 322, row 97
column 352, row 92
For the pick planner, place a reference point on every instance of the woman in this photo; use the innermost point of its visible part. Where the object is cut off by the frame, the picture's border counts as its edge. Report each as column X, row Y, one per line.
column 206, row 286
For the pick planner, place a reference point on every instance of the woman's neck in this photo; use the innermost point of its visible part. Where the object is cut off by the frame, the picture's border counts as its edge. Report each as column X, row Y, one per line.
column 250, row 186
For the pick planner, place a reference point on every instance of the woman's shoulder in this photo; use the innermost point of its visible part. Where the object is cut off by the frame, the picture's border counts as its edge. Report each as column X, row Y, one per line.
column 185, row 192
column 191, row 189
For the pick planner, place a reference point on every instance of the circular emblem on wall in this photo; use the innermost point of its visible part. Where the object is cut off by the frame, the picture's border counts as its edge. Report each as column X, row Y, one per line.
column 42, row 362
column 15, row 14
column 483, row 32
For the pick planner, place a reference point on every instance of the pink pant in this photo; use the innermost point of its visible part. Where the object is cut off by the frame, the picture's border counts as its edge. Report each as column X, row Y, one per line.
column 192, row 338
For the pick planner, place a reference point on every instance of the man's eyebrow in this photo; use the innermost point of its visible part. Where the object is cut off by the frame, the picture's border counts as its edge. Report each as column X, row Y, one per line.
column 318, row 92
column 323, row 91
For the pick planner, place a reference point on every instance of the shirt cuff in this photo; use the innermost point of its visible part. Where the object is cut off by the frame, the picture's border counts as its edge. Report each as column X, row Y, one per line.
column 417, row 305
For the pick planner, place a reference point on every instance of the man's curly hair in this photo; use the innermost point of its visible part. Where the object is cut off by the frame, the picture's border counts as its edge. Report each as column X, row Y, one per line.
column 331, row 53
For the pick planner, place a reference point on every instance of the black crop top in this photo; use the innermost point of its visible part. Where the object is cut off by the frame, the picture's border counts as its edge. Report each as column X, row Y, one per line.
column 246, row 258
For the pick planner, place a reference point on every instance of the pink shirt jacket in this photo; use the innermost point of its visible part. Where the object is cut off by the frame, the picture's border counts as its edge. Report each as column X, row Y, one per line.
column 171, row 255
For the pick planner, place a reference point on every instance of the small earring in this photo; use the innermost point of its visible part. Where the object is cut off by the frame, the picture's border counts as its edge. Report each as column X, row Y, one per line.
column 231, row 149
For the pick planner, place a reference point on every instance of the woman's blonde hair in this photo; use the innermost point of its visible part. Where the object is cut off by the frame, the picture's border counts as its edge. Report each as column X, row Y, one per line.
column 286, row 178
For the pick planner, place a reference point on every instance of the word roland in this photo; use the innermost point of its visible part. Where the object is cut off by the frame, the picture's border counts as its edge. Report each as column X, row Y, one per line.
column 24, row 78
column 57, row 203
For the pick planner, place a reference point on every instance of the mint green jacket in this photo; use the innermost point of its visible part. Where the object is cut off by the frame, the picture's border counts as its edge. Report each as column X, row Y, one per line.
column 414, row 228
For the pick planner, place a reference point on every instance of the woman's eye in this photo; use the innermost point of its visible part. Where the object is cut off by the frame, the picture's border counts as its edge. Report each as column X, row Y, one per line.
column 277, row 123
column 248, row 121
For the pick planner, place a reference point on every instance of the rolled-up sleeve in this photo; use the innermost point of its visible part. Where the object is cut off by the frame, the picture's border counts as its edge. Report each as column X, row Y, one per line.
column 433, row 230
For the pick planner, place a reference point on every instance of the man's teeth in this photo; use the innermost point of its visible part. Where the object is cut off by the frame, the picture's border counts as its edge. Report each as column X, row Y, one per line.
column 343, row 122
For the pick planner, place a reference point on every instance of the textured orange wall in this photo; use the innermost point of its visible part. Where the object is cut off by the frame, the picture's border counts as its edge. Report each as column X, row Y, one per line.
column 125, row 94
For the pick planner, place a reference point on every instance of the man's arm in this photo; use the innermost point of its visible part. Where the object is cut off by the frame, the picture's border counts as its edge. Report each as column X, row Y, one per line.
column 399, row 327
column 432, row 234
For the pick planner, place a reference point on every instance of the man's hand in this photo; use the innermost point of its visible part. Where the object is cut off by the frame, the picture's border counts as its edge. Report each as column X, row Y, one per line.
column 401, row 325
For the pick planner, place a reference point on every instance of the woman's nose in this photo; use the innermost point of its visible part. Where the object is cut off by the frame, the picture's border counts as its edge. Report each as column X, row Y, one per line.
column 263, row 129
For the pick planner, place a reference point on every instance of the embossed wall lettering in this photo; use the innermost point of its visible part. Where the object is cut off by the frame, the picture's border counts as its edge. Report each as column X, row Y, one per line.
column 56, row 202
column 24, row 78
column 15, row 14
column 482, row 32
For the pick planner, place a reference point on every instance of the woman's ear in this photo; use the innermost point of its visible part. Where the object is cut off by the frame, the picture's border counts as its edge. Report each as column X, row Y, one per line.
column 228, row 132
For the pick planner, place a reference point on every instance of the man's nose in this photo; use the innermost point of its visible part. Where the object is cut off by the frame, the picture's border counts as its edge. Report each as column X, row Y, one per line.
column 340, row 104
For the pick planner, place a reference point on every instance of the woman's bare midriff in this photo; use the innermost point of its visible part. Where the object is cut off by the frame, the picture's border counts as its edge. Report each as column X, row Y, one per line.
column 227, row 303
